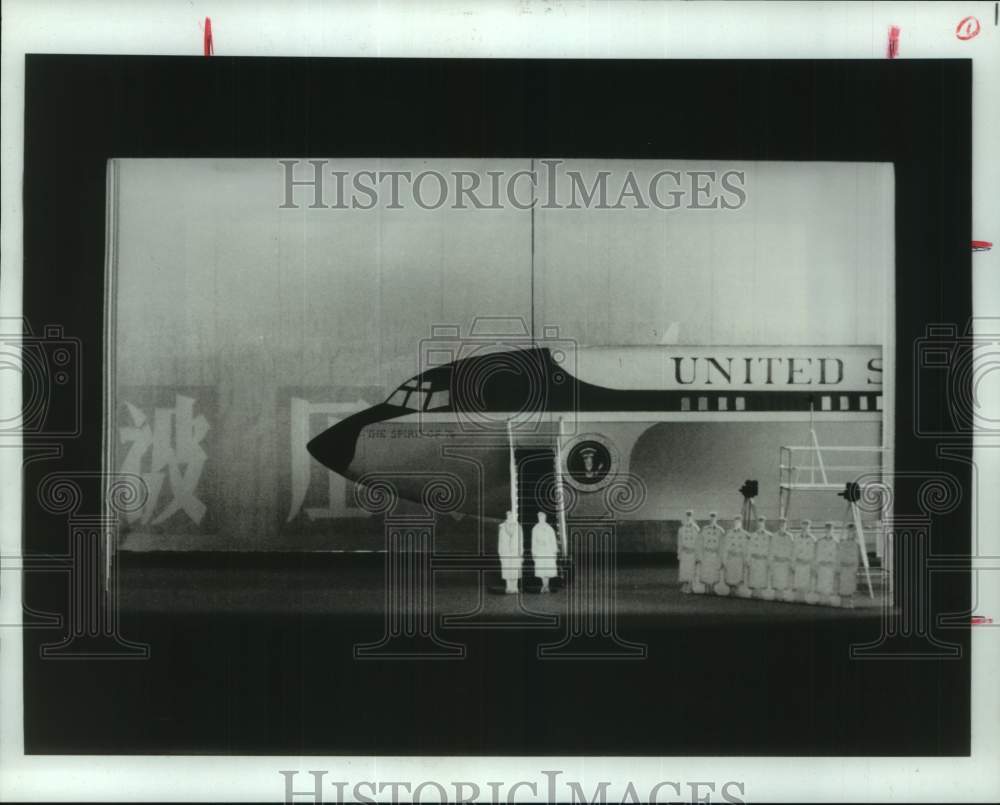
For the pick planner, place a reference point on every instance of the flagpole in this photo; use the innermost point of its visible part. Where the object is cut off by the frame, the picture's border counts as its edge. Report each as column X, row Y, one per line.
column 559, row 490
column 513, row 473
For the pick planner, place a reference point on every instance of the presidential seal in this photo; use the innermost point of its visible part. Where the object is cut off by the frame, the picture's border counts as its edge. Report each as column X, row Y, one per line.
column 590, row 462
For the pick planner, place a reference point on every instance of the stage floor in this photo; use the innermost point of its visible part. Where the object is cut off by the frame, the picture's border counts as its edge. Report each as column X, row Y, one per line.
column 354, row 585
column 252, row 653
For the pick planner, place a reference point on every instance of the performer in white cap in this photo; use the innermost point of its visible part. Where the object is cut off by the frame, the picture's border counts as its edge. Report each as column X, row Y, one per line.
column 510, row 546
column 758, row 549
column 848, row 560
column 544, row 550
column 688, row 543
column 709, row 570
column 803, row 570
column 826, row 567
column 780, row 564
column 734, row 555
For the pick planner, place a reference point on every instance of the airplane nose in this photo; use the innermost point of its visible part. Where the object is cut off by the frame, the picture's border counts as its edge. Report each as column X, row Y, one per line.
column 335, row 447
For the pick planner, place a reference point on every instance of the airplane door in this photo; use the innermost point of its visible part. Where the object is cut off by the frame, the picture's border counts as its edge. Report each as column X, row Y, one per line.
column 535, row 492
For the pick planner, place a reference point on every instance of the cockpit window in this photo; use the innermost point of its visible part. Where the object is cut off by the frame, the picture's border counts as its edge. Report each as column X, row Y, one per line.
column 398, row 397
column 438, row 399
column 419, row 395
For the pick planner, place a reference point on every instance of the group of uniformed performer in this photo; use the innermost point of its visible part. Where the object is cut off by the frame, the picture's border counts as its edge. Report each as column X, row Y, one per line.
column 544, row 551
column 771, row 566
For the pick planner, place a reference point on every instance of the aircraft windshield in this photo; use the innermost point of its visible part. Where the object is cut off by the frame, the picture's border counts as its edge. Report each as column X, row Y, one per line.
column 398, row 397
column 419, row 396
column 438, row 399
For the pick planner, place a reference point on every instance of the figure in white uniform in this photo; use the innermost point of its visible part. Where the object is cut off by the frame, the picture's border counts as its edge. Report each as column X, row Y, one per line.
column 688, row 544
column 510, row 546
column 709, row 557
column 543, row 550
column 826, row 567
column 780, row 564
column 758, row 548
column 804, row 557
column 734, row 554
column 848, row 560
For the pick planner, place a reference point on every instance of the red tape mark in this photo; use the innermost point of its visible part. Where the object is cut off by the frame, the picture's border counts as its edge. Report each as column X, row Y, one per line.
column 209, row 46
column 893, row 50
column 980, row 620
column 981, row 245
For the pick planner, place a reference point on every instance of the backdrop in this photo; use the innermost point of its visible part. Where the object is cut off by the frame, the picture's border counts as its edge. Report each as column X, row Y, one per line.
column 244, row 326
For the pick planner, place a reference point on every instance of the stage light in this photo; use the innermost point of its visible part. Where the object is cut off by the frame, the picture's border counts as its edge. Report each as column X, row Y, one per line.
column 851, row 493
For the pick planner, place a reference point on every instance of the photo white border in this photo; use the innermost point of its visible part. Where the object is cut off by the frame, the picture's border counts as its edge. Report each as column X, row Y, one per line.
column 498, row 29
